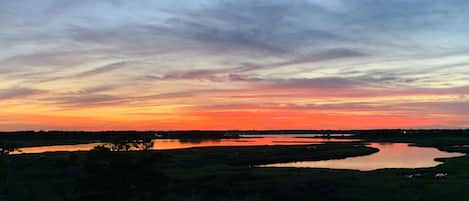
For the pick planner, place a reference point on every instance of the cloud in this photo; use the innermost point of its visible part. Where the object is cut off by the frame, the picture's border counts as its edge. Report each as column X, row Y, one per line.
column 84, row 101
column 15, row 93
column 456, row 107
column 96, row 89
column 89, row 73
column 323, row 83
column 100, row 70
column 238, row 73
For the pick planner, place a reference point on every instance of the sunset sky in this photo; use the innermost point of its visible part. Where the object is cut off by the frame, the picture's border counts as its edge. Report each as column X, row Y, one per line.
column 179, row 64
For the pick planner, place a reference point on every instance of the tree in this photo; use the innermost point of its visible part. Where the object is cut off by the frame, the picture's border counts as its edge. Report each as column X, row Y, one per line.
column 6, row 149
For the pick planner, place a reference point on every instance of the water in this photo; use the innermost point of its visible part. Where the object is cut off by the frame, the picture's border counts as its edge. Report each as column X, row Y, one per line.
column 167, row 144
column 297, row 135
column 55, row 148
column 390, row 155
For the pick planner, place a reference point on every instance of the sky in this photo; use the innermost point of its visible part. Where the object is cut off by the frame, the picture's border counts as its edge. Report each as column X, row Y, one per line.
column 208, row 64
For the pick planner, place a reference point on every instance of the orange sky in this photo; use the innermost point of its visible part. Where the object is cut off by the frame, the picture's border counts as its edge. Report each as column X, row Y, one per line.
column 230, row 119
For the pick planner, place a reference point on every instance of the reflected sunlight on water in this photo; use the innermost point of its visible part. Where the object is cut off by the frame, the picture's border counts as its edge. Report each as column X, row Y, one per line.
column 390, row 155
column 166, row 144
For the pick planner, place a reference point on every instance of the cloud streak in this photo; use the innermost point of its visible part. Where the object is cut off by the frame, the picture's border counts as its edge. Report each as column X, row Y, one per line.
column 18, row 93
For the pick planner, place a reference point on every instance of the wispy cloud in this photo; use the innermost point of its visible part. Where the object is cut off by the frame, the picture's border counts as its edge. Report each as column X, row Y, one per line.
column 19, row 92
column 100, row 70
column 89, row 73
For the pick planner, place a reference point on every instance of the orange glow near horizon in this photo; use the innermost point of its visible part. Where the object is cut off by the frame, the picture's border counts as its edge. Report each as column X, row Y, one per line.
column 257, row 119
column 237, row 109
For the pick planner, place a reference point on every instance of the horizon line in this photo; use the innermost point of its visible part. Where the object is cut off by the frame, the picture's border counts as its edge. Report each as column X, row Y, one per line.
column 238, row 130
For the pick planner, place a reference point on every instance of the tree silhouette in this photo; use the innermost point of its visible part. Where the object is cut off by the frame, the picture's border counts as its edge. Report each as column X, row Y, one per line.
column 6, row 149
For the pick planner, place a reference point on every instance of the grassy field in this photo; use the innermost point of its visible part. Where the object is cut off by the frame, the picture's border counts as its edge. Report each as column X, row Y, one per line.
column 229, row 173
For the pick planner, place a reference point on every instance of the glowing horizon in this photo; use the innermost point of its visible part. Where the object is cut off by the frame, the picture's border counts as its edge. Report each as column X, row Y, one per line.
column 218, row 65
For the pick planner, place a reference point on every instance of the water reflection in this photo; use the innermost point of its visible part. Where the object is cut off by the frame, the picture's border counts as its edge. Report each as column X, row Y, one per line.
column 390, row 155
column 42, row 149
column 167, row 144
column 298, row 135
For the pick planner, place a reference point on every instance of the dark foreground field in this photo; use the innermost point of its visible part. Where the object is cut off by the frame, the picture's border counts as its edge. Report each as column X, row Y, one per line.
column 229, row 173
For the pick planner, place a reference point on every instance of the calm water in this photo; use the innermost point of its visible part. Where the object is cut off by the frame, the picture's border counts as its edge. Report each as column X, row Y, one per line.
column 298, row 135
column 391, row 155
column 166, row 144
